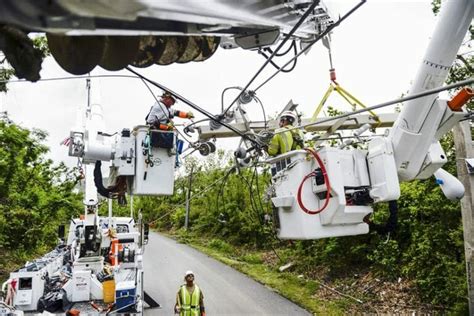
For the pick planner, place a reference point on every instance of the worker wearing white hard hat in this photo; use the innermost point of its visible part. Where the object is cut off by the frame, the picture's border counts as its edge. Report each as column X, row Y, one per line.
column 189, row 299
column 284, row 141
column 162, row 113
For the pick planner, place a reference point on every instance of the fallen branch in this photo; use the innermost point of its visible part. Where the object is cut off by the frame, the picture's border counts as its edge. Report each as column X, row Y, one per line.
column 340, row 293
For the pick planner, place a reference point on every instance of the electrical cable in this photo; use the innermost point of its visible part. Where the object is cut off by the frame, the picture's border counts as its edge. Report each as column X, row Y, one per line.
column 268, row 49
column 261, row 52
column 384, row 104
column 265, row 124
column 326, row 31
column 69, row 78
column 164, row 110
column 222, row 95
column 192, row 105
column 251, row 198
column 192, row 197
column 310, row 175
column 258, row 189
column 292, row 31
column 221, row 195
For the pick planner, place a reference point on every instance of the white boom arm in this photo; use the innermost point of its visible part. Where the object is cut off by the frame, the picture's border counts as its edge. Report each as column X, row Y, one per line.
column 417, row 129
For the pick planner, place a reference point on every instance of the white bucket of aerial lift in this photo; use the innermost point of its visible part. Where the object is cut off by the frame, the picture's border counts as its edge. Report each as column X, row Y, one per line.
column 156, row 180
column 344, row 168
column 29, row 289
column 382, row 170
column 124, row 158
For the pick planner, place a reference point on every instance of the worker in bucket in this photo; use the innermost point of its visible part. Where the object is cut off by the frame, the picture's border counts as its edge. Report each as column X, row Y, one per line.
column 189, row 299
column 284, row 139
column 162, row 112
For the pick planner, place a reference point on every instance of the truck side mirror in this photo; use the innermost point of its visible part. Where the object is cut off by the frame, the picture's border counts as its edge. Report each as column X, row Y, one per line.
column 61, row 231
column 146, row 232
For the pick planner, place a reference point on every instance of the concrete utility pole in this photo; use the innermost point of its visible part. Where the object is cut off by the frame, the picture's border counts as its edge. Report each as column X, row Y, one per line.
column 464, row 149
column 186, row 220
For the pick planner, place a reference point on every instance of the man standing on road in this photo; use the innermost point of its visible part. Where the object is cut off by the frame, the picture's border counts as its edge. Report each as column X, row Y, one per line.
column 189, row 299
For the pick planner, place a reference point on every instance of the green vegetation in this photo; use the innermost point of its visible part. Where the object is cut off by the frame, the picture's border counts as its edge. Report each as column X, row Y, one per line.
column 35, row 197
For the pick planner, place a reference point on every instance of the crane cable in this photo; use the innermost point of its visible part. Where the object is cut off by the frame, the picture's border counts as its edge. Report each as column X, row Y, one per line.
column 310, row 175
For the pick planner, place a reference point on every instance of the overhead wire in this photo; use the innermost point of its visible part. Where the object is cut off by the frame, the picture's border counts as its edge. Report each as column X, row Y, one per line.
column 324, row 33
column 191, row 198
column 69, row 78
column 262, row 52
column 287, row 37
column 164, row 110
column 192, row 105
column 384, row 104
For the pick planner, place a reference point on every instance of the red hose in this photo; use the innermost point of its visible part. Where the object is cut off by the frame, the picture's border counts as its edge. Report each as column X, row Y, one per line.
column 312, row 174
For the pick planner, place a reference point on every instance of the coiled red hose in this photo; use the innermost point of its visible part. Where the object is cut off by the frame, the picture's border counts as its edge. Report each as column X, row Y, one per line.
column 310, row 175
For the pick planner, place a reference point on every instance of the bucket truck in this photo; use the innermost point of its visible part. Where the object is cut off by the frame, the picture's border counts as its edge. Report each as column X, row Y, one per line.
column 98, row 268
column 330, row 193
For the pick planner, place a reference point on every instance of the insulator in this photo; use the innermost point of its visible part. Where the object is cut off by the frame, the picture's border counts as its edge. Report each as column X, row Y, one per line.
column 76, row 54
column 245, row 97
column 212, row 147
column 119, row 51
column 240, row 153
column 214, row 124
column 204, row 149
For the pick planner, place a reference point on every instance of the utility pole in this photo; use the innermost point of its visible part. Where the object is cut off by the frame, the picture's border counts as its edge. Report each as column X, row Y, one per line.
column 464, row 149
column 186, row 220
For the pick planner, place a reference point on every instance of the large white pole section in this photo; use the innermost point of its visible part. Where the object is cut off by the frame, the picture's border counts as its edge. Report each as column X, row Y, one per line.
column 413, row 132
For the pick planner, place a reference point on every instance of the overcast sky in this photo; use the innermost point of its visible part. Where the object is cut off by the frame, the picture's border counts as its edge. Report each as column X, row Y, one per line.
column 376, row 53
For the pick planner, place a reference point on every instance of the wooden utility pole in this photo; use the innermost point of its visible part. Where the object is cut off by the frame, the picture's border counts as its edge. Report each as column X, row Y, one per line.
column 464, row 149
column 186, row 220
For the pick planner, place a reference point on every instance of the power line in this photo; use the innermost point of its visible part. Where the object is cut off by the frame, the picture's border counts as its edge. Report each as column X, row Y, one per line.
column 292, row 31
column 70, row 78
column 192, row 197
column 381, row 105
column 193, row 105
column 329, row 29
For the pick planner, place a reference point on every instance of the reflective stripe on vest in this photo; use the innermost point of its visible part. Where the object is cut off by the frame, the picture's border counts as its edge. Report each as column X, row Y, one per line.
column 190, row 302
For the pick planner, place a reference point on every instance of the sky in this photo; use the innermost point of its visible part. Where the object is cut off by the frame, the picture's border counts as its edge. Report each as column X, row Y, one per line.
column 376, row 52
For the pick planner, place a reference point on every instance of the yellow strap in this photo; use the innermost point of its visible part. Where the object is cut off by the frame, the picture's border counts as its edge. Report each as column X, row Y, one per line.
column 346, row 96
column 321, row 104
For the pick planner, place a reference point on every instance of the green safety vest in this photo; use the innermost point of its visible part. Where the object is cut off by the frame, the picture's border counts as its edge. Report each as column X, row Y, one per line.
column 190, row 302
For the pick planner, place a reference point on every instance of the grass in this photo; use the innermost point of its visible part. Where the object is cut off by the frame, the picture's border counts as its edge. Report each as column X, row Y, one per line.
column 295, row 288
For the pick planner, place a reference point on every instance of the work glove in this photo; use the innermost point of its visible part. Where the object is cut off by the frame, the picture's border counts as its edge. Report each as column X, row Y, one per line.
column 170, row 126
column 190, row 115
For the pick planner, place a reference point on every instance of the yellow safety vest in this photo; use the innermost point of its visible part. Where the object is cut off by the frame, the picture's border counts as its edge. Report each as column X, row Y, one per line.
column 190, row 302
column 281, row 142
column 298, row 139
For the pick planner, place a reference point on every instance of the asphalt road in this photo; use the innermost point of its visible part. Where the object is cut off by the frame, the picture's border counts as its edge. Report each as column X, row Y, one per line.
column 226, row 291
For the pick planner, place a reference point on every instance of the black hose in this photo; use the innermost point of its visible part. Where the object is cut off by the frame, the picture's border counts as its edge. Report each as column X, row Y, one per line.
column 98, row 180
column 391, row 223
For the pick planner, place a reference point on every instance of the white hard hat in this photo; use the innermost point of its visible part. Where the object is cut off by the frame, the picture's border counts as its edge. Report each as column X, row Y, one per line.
column 290, row 115
column 188, row 273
